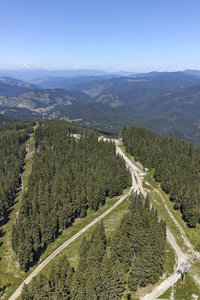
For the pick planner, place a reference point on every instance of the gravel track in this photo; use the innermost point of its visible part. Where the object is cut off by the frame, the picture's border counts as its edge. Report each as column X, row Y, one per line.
column 180, row 255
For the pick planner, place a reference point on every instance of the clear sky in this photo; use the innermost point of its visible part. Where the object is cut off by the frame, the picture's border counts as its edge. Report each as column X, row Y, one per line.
column 110, row 35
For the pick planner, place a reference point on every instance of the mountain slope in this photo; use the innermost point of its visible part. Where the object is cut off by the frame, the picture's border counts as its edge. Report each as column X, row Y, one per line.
column 40, row 99
column 14, row 87
column 108, row 102
column 98, row 85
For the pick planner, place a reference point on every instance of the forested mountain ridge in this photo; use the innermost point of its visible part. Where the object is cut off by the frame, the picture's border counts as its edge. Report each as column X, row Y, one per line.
column 68, row 177
column 176, row 165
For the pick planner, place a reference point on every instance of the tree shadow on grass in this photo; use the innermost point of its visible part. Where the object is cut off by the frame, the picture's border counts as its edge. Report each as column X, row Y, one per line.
column 37, row 255
column 3, row 288
column 2, row 233
column 6, row 218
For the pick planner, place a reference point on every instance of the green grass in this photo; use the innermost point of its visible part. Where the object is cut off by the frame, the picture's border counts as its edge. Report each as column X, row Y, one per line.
column 167, row 294
column 9, row 272
column 158, row 203
column 169, row 260
column 128, row 295
column 182, row 291
column 193, row 234
column 187, row 290
column 111, row 222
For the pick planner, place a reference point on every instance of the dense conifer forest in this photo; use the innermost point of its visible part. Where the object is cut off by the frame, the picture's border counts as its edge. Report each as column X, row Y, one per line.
column 12, row 153
column 176, row 165
column 133, row 258
column 69, row 176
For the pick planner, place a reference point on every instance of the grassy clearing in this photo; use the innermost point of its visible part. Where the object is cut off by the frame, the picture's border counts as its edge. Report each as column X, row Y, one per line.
column 9, row 271
column 79, row 224
column 190, row 289
column 187, row 291
column 128, row 295
column 168, row 294
column 111, row 222
column 193, row 234
column 169, row 260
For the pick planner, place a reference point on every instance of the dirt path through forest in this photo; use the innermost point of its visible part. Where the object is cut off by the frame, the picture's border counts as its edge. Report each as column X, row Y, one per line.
column 180, row 255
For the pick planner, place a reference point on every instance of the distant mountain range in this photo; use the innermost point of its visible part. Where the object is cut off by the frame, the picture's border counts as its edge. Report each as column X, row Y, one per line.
column 28, row 74
column 166, row 102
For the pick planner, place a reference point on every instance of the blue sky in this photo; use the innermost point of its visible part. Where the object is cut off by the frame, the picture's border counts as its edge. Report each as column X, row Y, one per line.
column 112, row 35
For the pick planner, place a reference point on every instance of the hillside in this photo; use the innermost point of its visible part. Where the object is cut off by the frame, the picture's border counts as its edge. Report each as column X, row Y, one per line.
column 97, row 85
column 108, row 102
column 38, row 100
column 13, row 87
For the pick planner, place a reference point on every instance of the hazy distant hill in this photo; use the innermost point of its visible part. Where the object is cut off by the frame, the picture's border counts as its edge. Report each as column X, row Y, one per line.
column 14, row 87
column 98, row 85
column 29, row 74
column 193, row 72
column 69, row 83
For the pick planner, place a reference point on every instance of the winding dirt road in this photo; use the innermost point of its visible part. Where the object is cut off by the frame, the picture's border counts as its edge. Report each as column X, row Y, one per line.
column 137, row 175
